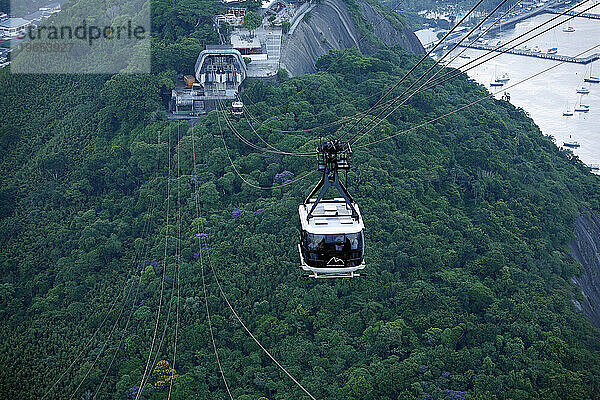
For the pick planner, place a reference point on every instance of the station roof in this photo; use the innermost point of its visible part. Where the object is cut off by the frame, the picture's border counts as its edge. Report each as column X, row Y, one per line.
column 14, row 23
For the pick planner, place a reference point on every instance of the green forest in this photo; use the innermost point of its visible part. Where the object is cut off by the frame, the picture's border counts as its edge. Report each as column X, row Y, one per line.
column 111, row 216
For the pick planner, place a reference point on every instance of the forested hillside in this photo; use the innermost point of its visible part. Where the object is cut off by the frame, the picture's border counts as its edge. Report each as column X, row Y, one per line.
column 467, row 293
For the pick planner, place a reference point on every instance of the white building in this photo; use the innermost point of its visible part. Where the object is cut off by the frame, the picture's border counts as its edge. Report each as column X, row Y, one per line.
column 50, row 9
column 234, row 16
column 13, row 27
column 248, row 46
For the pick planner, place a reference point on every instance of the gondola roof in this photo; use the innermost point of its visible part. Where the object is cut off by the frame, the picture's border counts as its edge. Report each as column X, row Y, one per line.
column 330, row 217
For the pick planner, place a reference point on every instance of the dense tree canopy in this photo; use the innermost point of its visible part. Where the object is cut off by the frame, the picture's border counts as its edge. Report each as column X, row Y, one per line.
column 468, row 293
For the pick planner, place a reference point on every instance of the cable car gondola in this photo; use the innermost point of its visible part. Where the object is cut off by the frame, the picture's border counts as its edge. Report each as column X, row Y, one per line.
column 332, row 230
column 237, row 108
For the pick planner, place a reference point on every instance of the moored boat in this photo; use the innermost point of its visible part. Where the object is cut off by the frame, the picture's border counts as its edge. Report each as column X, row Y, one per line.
column 572, row 144
column 583, row 90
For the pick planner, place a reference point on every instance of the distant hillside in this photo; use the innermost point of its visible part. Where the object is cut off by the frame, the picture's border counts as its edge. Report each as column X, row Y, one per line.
column 338, row 25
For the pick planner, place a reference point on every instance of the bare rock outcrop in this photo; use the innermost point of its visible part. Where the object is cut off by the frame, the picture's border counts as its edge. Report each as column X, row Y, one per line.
column 387, row 33
column 329, row 26
column 586, row 249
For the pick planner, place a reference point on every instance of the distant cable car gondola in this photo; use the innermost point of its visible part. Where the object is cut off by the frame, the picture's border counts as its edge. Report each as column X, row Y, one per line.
column 332, row 237
column 237, row 108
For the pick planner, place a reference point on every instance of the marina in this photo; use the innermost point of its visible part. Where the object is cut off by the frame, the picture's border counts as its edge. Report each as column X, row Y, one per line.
column 550, row 55
column 564, row 103
column 574, row 13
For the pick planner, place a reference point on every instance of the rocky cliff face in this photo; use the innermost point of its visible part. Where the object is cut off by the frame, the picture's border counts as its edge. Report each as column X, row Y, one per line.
column 586, row 249
column 330, row 27
column 387, row 33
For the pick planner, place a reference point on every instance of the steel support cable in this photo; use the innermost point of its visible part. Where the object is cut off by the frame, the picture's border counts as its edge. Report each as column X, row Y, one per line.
column 456, row 73
column 350, row 117
column 210, row 328
column 86, row 345
column 235, row 314
column 414, row 67
column 459, row 71
column 166, row 324
column 93, row 336
column 328, row 125
column 262, row 149
column 439, row 82
column 137, row 254
column 178, row 261
column 163, row 334
column 465, row 48
column 146, row 247
column 434, row 65
column 229, row 304
column 238, row 173
column 130, row 314
column 105, row 343
column 162, row 281
column 339, row 121
column 254, row 130
column 256, row 147
column 470, row 104
column 479, row 36
column 246, row 114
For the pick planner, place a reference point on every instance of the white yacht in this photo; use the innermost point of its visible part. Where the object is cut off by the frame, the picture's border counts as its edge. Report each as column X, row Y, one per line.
column 573, row 144
column 591, row 78
column 583, row 90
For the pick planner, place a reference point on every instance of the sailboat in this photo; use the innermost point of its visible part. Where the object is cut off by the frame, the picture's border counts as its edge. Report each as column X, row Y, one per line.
column 568, row 112
column 581, row 107
column 504, row 78
column 591, row 78
column 495, row 82
column 553, row 49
